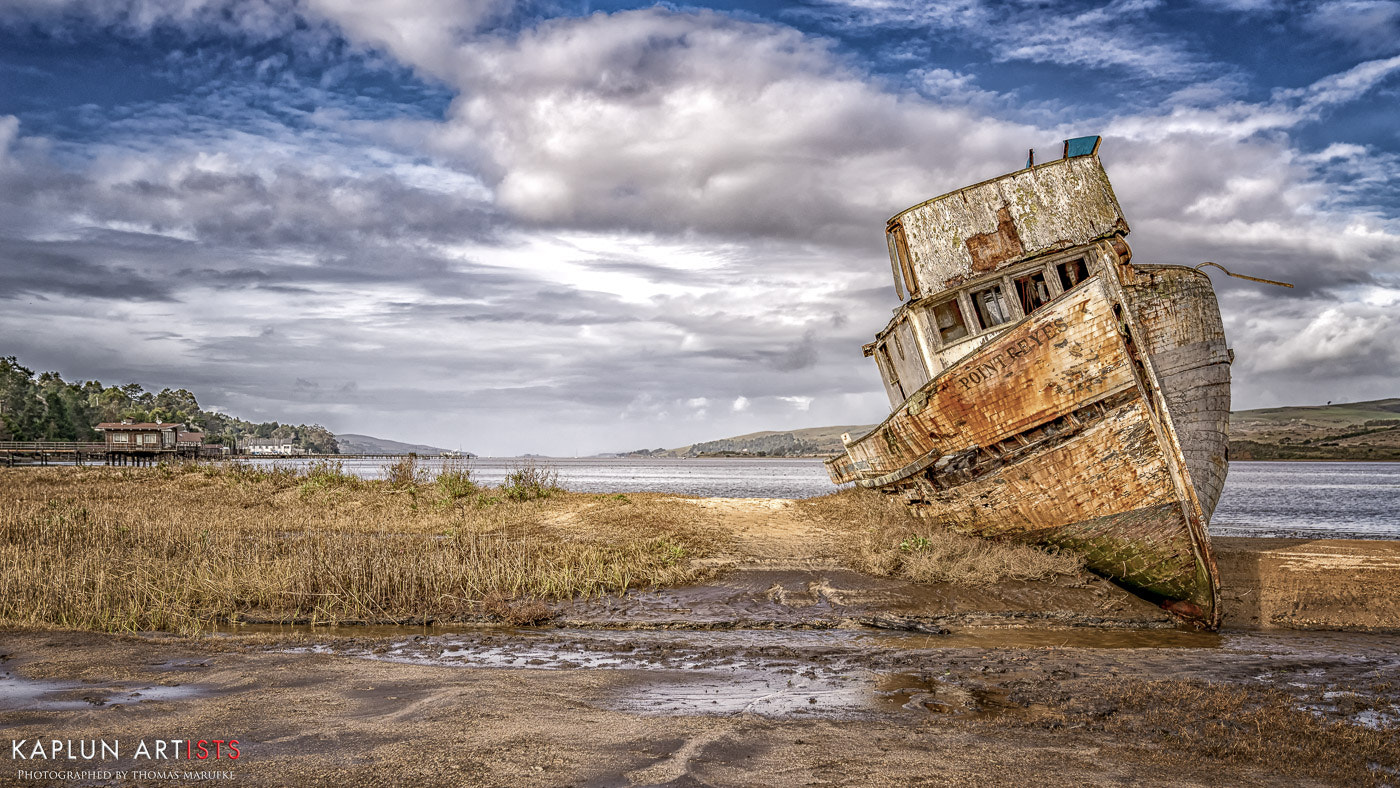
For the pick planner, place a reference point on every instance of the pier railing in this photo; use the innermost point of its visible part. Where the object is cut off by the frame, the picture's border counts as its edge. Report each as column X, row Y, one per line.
column 38, row 448
column 51, row 447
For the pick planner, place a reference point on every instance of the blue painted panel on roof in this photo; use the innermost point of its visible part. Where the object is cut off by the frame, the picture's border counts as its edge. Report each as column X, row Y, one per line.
column 1081, row 146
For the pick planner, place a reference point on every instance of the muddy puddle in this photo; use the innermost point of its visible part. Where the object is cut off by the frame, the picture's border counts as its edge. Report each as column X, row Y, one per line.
column 778, row 673
column 849, row 673
column 18, row 693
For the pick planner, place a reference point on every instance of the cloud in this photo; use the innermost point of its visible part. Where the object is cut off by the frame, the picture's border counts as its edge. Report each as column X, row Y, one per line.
column 1238, row 120
column 799, row 403
column 258, row 20
column 30, row 271
column 624, row 221
column 1112, row 36
column 9, row 132
column 664, row 121
column 425, row 33
column 1337, row 340
column 1371, row 25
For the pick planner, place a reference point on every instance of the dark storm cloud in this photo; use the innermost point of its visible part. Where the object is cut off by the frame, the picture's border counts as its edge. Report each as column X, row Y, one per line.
column 26, row 271
column 292, row 208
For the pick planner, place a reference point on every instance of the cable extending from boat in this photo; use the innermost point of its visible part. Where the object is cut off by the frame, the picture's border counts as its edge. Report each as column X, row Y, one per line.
column 1046, row 388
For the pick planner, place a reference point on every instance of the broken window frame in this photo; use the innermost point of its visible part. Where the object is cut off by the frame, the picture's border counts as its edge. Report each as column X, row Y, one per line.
column 1059, row 266
column 969, row 329
column 1030, row 274
column 1007, row 314
column 1006, row 280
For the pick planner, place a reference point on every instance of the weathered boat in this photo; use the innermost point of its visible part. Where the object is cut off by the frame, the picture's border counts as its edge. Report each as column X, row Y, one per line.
column 1046, row 388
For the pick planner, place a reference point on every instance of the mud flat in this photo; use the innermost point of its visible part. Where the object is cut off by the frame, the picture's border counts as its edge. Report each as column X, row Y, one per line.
column 664, row 707
column 787, row 667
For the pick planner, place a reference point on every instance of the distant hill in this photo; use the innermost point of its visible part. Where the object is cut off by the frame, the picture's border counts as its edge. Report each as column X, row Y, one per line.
column 351, row 443
column 791, row 443
column 1345, row 431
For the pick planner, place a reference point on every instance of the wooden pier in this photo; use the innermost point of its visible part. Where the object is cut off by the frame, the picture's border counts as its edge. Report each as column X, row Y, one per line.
column 14, row 453
column 42, row 452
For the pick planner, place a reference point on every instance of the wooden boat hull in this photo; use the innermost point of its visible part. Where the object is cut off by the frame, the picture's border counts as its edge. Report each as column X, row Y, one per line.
column 1062, row 431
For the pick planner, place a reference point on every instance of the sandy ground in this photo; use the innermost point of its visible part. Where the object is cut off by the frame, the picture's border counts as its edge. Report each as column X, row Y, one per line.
column 788, row 669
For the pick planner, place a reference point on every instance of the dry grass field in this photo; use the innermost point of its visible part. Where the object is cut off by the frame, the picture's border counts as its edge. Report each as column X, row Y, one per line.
column 181, row 547
column 883, row 538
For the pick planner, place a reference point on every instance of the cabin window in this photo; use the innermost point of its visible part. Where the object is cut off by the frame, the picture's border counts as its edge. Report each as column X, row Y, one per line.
column 150, row 440
column 991, row 306
column 120, row 437
column 1032, row 291
column 1072, row 272
column 949, row 320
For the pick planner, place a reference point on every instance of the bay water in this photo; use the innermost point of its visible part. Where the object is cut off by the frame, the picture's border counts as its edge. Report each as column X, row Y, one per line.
column 1338, row 500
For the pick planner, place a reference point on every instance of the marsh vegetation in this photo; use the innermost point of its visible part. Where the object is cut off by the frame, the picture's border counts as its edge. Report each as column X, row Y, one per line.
column 186, row 546
column 883, row 538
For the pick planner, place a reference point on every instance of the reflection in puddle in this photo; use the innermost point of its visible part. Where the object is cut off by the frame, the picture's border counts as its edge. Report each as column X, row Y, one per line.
column 745, row 691
column 1364, row 709
column 19, row 693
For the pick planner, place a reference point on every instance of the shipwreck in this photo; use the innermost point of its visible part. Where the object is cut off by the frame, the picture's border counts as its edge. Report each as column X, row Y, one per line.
column 1047, row 388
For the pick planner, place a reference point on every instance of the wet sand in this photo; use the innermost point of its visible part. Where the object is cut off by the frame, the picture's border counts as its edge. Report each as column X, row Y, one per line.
column 685, row 708
column 1309, row 584
column 786, row 669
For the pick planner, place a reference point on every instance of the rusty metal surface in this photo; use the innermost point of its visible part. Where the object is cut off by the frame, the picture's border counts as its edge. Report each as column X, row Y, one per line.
column 1050, row 363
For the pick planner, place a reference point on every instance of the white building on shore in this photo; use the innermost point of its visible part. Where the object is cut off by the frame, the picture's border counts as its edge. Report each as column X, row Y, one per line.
column 279, row 447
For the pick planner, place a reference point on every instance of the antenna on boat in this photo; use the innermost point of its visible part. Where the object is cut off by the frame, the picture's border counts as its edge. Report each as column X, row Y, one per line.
column 1242, row 276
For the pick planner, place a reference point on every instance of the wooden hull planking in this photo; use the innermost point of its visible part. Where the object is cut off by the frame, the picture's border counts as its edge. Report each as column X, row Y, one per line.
column 1061, row 431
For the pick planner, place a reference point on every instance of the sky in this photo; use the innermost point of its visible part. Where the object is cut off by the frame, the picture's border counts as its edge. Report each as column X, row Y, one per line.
column 569, row 228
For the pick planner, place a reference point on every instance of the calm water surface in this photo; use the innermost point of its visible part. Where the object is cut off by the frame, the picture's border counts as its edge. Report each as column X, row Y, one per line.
column 1338, row 500
column 1290, row 499
column 718, row 478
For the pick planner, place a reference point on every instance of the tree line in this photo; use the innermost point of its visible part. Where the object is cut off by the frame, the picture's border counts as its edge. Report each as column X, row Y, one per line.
column 47, row 408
